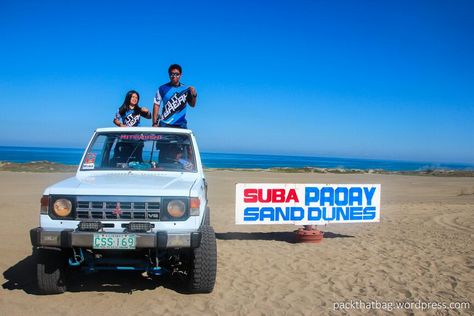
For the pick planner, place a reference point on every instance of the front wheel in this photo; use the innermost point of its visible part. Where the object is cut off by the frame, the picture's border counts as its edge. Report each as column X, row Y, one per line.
column 50, row 269
column 203, row 263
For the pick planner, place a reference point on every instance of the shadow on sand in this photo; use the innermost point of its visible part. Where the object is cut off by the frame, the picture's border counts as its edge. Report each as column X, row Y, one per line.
column 22, row 276
column 289, row 237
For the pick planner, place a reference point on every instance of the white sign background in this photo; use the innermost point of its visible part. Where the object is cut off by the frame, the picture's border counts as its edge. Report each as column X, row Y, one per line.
column 282, row 203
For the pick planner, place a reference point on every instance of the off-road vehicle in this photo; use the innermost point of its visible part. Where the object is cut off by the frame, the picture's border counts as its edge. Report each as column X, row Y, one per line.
column 138, row 201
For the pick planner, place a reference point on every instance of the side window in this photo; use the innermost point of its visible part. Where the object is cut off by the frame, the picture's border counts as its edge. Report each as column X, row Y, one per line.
column 188, row 154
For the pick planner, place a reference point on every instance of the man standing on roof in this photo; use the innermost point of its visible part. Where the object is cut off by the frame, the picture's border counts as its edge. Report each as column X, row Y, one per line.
column 174, row 96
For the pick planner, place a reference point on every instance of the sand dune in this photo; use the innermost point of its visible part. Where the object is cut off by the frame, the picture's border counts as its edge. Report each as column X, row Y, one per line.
column 422, row 250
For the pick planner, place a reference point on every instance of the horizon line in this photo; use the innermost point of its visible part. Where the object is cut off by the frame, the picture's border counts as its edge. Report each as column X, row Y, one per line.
column 283, row 155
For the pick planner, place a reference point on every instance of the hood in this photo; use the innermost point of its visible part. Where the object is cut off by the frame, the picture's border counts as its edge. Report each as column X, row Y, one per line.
column 160, row 184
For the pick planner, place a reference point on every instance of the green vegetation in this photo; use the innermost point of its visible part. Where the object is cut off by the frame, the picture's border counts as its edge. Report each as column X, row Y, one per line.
column 36, row 166
column 46, row 166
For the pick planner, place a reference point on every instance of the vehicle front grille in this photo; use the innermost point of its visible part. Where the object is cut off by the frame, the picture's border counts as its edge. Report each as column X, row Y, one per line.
column 118, row 210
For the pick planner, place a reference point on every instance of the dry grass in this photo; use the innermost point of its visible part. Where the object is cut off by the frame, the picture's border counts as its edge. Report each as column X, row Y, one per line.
column 36, row 166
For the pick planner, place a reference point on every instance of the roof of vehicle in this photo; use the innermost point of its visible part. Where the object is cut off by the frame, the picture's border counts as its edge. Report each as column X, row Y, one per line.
column 144, row 130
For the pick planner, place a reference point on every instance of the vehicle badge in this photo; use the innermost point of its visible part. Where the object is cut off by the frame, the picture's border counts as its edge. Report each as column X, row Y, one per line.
column 117, row 211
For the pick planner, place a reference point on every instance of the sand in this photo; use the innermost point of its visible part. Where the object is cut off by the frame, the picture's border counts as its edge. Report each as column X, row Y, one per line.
column 422, row 251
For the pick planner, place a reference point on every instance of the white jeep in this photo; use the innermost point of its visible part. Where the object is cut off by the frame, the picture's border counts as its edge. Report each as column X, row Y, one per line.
column 137, row 202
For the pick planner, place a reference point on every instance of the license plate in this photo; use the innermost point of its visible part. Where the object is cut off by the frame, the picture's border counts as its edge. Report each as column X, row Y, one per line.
column 114, row 241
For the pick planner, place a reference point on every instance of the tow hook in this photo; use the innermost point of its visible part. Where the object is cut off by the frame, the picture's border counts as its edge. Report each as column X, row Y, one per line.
column 77, row 258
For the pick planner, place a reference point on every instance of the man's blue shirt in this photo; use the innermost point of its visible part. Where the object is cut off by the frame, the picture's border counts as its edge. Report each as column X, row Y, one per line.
column 173, row 101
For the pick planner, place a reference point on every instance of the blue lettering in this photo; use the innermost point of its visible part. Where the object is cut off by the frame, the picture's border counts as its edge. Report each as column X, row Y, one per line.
column 267, row 212
column 355, row 195
column 311, row 194
column 345, row 196
column 285, row 215
column 334, row 213
column 369, row 212
column 369, row 194
column 327, row 195
column 251, row 214
column 326, row 217
column 311, row 216
column 341, row 212
column 295, row 216
column 356, row 213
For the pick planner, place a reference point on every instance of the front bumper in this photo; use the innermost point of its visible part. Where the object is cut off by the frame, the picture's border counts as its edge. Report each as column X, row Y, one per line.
column 72, row 238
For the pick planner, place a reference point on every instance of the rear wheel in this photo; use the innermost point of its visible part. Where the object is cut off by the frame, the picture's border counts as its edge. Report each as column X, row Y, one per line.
column 207, row 218
column 203, row 263
column 50, row 269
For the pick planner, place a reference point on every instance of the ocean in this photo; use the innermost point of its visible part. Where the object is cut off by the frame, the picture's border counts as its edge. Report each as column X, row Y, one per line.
column 72, row 156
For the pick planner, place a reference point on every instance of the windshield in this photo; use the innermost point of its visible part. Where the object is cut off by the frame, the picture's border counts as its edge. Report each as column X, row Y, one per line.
column 140, row 151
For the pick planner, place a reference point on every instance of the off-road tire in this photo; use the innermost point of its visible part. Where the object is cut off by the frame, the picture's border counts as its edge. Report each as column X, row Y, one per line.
column 203, row 265
column 207, row 218
column 50, row 269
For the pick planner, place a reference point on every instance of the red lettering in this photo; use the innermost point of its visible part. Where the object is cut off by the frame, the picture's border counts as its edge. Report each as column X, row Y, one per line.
column 270, row 196
column 278, row 195
column 292, row 196
column 250, row 195
column 260, row 196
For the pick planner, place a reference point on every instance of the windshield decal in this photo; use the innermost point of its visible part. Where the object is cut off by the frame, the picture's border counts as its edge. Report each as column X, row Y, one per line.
column 89, row 161
column 140, row 137
column 90, row 158
column 88, row 166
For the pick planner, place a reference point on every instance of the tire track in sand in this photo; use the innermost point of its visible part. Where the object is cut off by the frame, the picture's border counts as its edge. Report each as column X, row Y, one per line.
column 453, row 221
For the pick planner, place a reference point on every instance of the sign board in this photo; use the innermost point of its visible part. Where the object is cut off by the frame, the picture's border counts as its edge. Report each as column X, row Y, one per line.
column 306, row 204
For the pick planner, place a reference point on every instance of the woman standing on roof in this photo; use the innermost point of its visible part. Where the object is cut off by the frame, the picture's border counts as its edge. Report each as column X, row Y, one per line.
column 129, row 113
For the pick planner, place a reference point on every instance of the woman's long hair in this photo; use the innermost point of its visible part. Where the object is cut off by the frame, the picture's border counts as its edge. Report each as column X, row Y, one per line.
column 126, row 103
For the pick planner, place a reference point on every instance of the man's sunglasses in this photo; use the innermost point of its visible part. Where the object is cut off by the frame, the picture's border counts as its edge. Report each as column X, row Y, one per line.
column 175, row 74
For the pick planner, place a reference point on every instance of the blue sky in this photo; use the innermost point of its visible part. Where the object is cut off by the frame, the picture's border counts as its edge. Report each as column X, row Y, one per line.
column 365, row 79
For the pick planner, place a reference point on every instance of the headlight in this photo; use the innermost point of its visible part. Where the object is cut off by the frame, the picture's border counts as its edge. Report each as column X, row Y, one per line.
column 62, row 207
column 176, row 208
